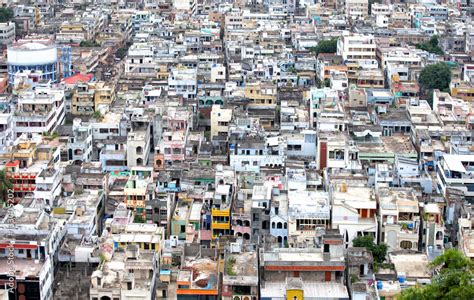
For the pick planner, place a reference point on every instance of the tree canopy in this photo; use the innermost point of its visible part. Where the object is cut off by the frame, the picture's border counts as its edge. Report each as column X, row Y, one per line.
column 435, row 76
column 326, row 46
column 454, row 280
column 89, row 44
column 6, row 14
column 378, row 251
column 431, row 46
column 5, row 184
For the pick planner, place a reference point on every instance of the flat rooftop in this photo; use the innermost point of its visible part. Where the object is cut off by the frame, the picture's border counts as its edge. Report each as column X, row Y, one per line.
column 411, row 265
column 312, row 290
column 244, row 267
column 23, row 268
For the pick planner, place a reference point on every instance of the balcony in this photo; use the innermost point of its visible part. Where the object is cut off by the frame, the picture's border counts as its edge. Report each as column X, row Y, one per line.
column 220, row 212
column 220, row 225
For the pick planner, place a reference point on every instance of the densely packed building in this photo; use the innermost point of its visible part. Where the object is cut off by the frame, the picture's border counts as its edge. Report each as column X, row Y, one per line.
column 241, row 150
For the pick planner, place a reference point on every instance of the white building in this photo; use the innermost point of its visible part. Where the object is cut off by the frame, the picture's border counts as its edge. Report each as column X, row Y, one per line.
column 6, row 125
column 456, row 172
column 140, row 55
column 308, row 212
column 251, row 154
column 188, row 5
column 183, row 82
column 48, row 181
column 354, row 210
column 80, row 143
column 358, row 48
column 7, row 33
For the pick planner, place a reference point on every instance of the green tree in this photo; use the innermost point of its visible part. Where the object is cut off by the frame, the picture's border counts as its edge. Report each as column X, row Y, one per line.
column 326, row 46
column 453, row 281
column 89, row 44
column 378, row 251
column 431, row 46
column 121, row 52
column 139, row 219
column 435, row 76
column 6, row 14
column 5, row 185
column 97, row 115
column 327, row 82
column 318, row 82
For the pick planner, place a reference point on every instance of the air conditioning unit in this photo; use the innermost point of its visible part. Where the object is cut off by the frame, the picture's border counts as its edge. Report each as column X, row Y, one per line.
column 174, row 241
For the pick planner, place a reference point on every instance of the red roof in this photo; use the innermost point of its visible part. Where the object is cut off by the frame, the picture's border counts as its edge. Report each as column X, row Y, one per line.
column 13, row 163
column 78, row 78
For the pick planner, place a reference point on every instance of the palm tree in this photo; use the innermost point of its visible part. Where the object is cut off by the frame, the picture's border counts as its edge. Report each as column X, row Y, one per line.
column 5, row 185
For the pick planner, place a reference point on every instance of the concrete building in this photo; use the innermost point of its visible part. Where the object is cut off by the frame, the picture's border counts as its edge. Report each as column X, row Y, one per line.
column 456, row 171
column 357, row 9
column 400, row 221
column 354, row 210
column 220, row 119
column 357, row 48
column 319, row 273
column 7, row 33
column 128, row 274
column 39, row 111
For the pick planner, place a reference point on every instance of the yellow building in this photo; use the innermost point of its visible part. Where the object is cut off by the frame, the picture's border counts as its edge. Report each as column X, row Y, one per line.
column 463, row 90
column 261, row 94
column 104, row 94
column 220, row 212
column 90, row 97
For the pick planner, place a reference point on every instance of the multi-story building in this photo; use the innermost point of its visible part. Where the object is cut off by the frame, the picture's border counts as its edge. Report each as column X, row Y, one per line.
column 357, row 9
column 240, row 278
column 183, row 82
column 253, row 153
column 308, row 214
column 433, row 232
column 220, row 118
column 354, row 211
column 79, row 144
column 7, row 33
column 400, row 223
column 139, row 189
column 128, row 274
column 284, row 273
column 261, row 94
column 359, row 49
column 83, row 99
column 6, row 125
column 456, row 172
column 39, row 111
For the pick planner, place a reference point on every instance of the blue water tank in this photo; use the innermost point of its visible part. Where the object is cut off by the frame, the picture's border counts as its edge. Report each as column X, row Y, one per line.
column 379, row 285
column 401, row 279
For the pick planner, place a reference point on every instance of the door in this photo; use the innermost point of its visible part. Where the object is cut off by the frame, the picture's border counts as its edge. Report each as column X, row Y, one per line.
column 327, row 276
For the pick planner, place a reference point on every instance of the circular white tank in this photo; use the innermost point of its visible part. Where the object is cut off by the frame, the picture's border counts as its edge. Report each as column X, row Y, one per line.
column 32, row 54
